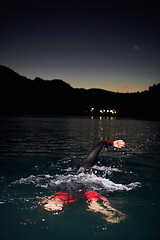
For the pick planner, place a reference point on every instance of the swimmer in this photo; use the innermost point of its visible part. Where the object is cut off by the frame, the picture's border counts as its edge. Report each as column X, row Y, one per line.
column 95, row 201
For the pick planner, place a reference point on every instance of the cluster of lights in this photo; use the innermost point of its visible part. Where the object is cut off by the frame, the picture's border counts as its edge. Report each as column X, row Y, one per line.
column 112, row 111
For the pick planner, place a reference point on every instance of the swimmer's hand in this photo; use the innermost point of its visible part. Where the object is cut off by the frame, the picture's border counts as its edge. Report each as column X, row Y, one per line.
column 118, row 143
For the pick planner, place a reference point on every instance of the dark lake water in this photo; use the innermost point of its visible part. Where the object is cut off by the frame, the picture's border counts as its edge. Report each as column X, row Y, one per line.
column 38, row 156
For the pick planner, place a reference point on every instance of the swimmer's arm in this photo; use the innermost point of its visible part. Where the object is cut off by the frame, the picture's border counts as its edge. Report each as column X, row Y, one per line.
column 90, row 160
column 116, row 143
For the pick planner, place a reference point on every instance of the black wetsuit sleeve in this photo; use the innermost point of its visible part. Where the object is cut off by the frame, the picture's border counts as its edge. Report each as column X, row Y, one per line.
column 91, row 158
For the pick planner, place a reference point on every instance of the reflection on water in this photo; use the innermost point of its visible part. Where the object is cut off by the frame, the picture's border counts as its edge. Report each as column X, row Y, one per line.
column 38, row 158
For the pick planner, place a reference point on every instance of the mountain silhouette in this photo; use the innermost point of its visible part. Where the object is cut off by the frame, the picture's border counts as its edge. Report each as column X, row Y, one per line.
column 21, row 95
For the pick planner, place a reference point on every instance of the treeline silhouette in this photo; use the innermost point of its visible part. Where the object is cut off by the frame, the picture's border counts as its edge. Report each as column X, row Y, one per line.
column 20, row 95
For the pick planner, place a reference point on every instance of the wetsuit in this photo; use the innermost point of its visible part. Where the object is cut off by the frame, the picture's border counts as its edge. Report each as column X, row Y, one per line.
column 91, row 158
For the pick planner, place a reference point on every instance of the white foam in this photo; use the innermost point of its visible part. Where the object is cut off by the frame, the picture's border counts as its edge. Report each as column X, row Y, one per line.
column 100, row 182
column 76, row 181
column 104, row 168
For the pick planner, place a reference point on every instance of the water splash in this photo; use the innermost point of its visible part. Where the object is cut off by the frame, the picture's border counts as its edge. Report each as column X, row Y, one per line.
column 74, row 181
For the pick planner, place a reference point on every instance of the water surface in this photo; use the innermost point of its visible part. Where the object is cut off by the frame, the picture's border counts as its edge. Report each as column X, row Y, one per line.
column 38, row 156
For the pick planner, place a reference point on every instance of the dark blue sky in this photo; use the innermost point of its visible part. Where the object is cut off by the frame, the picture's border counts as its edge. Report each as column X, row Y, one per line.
column 112, row 45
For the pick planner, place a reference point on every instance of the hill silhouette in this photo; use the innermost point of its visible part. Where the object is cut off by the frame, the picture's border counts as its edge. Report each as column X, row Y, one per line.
column 21, row 95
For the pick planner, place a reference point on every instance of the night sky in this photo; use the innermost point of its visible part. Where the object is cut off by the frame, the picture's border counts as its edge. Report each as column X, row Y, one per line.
column 113, row 45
